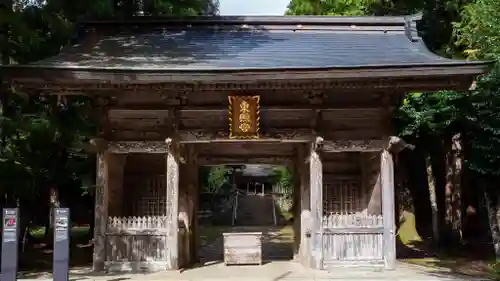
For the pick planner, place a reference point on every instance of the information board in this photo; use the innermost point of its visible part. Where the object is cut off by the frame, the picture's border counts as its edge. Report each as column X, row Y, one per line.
column 10, row 235
column 61, row 244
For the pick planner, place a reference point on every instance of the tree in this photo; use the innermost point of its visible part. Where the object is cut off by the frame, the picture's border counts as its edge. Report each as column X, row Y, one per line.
column 42, row 160
column 438, row 122
column 479, row 34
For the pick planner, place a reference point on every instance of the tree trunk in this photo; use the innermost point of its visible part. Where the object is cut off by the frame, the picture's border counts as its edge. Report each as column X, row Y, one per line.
column 493, row 209
column 432, row 199
column 453, row 188
column 417, row 180
column 53, row 203
column 470, row 200
column 438, row 165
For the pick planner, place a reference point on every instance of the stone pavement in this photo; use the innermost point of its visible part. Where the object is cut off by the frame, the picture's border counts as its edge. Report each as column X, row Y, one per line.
column 272, row 271
column 276, row 245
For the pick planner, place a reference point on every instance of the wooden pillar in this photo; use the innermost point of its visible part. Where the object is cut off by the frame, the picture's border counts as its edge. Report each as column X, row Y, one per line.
column 296, row 207
column 316, row 183
column 116, row 171
column 387, row 184
column 191, row 178
column 195, row 197
column 101, row 208
column 184, row 215
column 172, row 185
column 305, row 208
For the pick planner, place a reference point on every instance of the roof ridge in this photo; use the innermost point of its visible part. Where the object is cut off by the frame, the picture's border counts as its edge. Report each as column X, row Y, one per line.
column 258, row 20
column 411, row 29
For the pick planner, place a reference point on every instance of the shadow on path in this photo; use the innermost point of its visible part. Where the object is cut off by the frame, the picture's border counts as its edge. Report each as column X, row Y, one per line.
column 277, row 243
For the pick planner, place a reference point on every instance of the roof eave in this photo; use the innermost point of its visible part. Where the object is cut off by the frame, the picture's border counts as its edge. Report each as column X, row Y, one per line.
column 98, row 75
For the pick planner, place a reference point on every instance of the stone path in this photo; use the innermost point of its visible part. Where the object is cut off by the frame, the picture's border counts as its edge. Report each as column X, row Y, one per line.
column 276, row 246
column 274, row 271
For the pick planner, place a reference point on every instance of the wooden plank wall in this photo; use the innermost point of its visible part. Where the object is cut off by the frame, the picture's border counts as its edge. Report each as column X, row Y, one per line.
column 351, row 235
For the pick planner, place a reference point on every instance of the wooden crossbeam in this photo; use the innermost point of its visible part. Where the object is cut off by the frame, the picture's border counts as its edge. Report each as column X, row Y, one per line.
column 327, row 146
column 351, row 145
column 137, row 147
column 223, row 107
column 233, row 160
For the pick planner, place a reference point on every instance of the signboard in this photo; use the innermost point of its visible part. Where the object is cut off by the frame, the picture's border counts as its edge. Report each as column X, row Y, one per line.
column 61, row 244
column 10, row 233
column 244, row 117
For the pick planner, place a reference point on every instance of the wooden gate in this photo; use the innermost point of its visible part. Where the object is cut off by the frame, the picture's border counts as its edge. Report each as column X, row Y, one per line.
column 137, row 241
column 350, row 234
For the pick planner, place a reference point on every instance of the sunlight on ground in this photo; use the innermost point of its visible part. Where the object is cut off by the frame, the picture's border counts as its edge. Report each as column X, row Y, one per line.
column 473, row 268
column 407, row 231
column 284, row 234
column 208, row 234
column 287, row 215
column 408, row 236
column 76, row 231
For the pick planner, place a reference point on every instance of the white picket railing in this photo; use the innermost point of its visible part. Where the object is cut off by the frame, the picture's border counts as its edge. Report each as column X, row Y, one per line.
column 137, row 223
column 136, row 242
column 352, row 237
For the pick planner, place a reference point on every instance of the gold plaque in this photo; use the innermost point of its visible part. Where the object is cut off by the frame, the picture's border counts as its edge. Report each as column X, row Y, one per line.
column 244, row 117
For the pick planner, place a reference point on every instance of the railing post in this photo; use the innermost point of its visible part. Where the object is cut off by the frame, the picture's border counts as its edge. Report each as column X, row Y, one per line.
column 101, row 207
column 387, row 184
column 274, row 210
column 235, row 207
column 172, row 212
column 316, row 203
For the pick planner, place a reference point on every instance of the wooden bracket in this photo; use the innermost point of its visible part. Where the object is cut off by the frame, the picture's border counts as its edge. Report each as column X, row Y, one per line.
column 98, row 145
column 396, row 144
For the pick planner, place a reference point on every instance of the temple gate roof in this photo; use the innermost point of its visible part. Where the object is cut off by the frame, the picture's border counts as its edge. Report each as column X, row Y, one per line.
column 178, row 49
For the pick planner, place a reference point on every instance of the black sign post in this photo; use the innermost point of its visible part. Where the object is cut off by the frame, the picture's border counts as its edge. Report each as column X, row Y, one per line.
column 61, row 244
column 10, row 244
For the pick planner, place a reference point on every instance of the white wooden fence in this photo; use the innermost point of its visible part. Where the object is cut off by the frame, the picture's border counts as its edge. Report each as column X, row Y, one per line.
column 136, row 243
column 352, row 238
column 139, row 223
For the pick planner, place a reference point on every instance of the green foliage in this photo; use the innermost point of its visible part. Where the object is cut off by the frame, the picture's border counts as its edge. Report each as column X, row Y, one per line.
column 479, row 30
column 484, row 125
column 479, row 35
column 452, row 28
column 218, row 177
column 425, row 114
column 42, row 137
column 328, row 7
column 283, row 177
column 215, row 179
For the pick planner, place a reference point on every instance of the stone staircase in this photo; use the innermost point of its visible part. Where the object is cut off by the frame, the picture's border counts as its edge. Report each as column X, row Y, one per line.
column 216, row 209
column 255, row 210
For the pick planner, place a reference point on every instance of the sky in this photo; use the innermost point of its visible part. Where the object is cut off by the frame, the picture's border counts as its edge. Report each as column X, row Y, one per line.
column 253, row 8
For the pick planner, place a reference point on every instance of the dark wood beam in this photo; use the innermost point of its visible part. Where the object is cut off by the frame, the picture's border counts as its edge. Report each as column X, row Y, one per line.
column 219, row 160
column 271, row 135
column 351, row 145
column 121, row 147
column 223, row 107
column 161, row 147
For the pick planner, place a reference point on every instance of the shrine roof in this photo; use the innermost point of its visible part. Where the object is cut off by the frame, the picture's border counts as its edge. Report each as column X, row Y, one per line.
column 238, row 44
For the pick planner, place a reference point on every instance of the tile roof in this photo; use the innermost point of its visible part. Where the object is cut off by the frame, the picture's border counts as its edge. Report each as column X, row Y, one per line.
column 254, row 44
